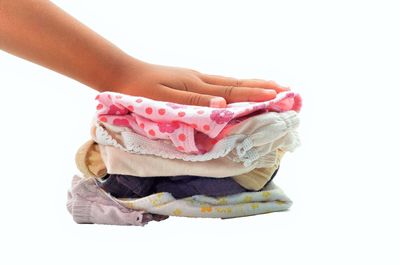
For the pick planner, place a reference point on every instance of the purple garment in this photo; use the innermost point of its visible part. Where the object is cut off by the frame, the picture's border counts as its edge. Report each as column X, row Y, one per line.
column 125, row 186
column 88, row 204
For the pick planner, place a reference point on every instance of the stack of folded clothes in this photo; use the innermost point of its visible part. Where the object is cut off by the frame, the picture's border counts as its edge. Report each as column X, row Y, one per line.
column 149, row 159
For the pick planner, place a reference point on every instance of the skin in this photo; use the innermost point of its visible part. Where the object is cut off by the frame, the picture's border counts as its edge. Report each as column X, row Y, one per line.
column 41, row 32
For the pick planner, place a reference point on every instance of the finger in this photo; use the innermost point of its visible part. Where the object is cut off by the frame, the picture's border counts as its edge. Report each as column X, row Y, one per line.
column 235, row 94
column 190, row 98
column 229, row 81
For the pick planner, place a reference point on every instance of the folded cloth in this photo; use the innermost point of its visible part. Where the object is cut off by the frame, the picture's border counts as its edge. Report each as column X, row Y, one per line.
column 269, row 199
column 259, row 177
column 88, row 204
column 93, row 160
column 181, row 124
column 187, row 186
column 124, row 186
column 89, row 161
column 120, row 162
column 245, row 142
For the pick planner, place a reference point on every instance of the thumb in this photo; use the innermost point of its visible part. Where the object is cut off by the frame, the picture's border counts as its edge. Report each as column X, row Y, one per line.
column 191, row 98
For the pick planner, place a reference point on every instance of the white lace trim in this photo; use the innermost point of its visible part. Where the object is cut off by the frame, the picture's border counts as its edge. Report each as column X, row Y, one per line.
column 248, row 153
column 135, row 143
column 245, row 152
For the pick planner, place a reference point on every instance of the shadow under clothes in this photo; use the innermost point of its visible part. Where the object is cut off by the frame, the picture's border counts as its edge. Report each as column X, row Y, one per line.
column 125, row 186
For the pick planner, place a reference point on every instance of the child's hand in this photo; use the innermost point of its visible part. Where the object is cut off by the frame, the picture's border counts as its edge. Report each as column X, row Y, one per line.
column 190, row 87
column 41, row 32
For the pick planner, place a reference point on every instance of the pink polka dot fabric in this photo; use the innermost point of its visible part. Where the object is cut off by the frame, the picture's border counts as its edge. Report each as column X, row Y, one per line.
column 184, row 125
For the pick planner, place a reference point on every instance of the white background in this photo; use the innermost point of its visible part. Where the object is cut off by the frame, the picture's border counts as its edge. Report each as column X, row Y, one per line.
column 342, row 56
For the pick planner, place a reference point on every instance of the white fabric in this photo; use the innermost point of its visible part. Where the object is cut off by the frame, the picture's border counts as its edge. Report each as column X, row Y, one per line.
column 246, row 143
column 117, row 161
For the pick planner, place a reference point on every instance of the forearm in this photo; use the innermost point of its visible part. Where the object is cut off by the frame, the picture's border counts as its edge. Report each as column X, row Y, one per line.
column 40, row 32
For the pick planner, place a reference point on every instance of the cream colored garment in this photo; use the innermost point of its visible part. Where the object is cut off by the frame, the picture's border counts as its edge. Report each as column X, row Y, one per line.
column 258, row 177
column 88, row 160
column 251, row 178
column 120, row 162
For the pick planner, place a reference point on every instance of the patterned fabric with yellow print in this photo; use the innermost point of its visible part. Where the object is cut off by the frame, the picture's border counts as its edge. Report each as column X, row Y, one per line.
column 269, row 199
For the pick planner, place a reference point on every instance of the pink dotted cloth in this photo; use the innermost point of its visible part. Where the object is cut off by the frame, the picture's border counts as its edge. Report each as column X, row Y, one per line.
column 192, row 129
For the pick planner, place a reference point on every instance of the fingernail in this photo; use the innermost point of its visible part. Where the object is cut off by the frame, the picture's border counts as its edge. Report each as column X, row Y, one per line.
column 286, row 88
column 217, row 102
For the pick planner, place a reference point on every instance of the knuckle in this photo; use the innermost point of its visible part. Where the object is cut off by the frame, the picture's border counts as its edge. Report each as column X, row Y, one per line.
column 184, row 86
column 194, row 99
column 228, row 91
column 239, row 82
